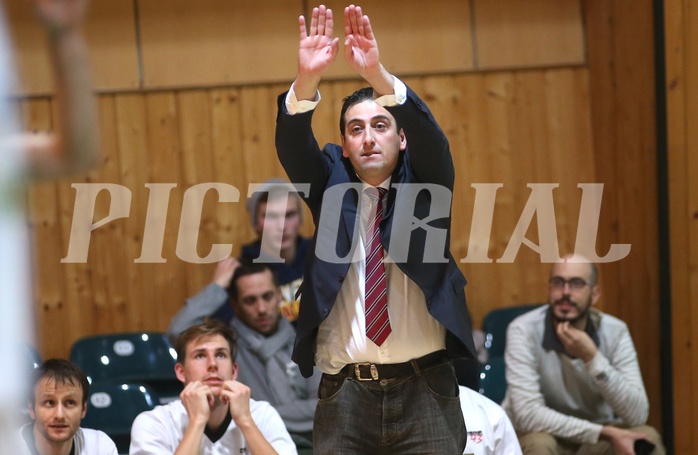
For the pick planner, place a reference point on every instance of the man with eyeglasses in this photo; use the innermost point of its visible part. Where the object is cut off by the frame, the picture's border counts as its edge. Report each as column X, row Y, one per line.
column 573, row 380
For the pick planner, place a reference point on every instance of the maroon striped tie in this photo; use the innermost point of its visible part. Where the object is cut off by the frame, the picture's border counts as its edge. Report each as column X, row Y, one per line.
column 376, row 305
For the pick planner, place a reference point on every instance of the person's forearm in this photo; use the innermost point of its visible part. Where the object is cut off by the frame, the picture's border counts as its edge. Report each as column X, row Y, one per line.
column 196, row 308
column 306, row 86
column 191, row 441
column 76, row 146
column 256, row 442
column 380, row 80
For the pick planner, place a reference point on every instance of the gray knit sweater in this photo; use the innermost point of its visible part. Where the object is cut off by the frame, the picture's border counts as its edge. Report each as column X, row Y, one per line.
column 552, row 393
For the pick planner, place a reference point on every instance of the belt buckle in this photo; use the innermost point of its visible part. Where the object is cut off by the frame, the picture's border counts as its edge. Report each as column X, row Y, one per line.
column 372, row 368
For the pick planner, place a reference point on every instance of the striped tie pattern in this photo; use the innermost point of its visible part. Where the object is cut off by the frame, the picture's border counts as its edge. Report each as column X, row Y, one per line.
column 376, row 302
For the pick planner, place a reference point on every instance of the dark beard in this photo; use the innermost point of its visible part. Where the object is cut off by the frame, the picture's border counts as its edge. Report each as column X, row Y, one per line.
column 582, row 315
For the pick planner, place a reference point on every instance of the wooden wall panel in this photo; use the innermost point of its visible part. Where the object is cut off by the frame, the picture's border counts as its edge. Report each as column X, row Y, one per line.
column 681, row 46
column 110, row 32
column 413, row 39
column 188, row 43
column 42, row 204
column 624, row 143
column 532, row 33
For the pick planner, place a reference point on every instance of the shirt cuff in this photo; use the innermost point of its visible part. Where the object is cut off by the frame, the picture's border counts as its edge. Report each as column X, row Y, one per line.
column 294, row 106
column 397, row 98
column 597, row 367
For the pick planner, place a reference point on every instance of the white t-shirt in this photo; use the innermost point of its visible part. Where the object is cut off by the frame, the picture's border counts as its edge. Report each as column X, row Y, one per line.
column 161, row 430
column 489, row 429
column 85, row 441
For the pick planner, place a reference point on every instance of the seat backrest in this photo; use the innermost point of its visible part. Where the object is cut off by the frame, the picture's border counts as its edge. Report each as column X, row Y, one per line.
column 134, row 356
column 495, row 326
column 493, row 382
column 112, row 407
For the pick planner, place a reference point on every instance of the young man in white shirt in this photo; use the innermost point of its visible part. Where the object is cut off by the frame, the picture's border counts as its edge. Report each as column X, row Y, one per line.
column 490, row 431
column 214, row 414
column 58, row 404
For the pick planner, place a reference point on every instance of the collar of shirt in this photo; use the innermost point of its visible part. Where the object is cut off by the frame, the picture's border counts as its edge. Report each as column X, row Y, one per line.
column 552, row 343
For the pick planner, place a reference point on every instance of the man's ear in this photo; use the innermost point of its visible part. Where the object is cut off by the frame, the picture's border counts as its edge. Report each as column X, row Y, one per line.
column 595, row 294
column 179, row 372
column 235, row 371
column 84, row 410
column 344, row 150
column 403, row 140
column 31, row 410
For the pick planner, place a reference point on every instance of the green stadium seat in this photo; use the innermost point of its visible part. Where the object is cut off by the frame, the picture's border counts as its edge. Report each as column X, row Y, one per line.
column 146, row 357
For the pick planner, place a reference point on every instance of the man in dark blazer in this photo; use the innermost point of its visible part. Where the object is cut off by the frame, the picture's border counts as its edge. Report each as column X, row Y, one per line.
column 396, row 391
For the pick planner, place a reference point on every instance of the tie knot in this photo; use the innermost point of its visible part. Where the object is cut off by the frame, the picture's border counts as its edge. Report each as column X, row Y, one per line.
column 376, row 192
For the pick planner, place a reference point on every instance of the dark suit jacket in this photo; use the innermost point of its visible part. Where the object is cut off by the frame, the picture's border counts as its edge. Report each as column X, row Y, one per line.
column 427, row 160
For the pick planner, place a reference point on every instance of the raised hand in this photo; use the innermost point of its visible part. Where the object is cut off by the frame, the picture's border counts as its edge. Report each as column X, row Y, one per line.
column 198, row 400
column 576, row 342
column 237, row 395
column 360, row 46
column 225, row 269
column 318, row 48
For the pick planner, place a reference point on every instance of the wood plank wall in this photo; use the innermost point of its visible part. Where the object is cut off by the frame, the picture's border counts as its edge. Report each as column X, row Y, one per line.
column 681, row 45
column 624, row 143
column 536, row 92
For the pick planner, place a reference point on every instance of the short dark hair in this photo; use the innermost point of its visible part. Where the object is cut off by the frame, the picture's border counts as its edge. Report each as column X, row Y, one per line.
column 594, row 274
column 207, row 329
column 249, row 268
column 61, row 371
column 359, row 96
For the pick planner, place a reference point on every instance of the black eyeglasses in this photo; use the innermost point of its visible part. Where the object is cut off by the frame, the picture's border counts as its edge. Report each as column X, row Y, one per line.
column 575, row 284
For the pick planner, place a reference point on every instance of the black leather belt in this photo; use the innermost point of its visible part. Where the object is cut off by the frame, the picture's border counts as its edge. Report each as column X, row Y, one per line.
column 377, row 371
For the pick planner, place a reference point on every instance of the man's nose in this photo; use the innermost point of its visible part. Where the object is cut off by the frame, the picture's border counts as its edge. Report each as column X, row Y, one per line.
column 274, row 222
column 368, row 138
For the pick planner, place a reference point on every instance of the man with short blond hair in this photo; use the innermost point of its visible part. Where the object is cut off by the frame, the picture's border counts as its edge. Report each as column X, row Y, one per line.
column 215, row 413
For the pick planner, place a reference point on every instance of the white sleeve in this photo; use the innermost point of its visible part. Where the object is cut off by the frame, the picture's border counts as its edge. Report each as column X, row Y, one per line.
column 398, row 97
column 148, row 436
column 619, row 379
column 106, row 445
column 272, row 427
column 295, row 106
column 504, row 437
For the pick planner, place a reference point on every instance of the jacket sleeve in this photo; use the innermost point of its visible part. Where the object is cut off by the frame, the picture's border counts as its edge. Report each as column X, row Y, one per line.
column 196, row 308
column 429, row 151
column 299, row 152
